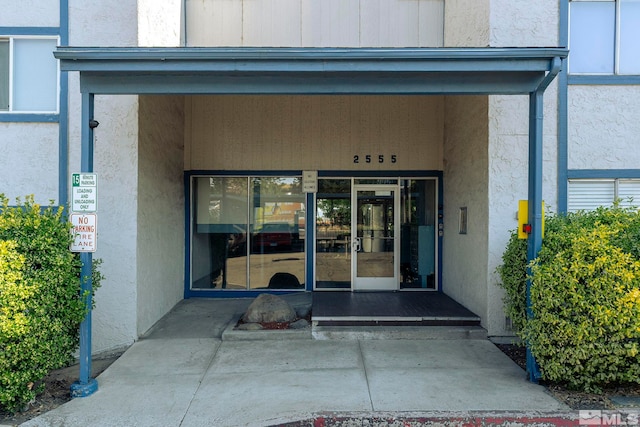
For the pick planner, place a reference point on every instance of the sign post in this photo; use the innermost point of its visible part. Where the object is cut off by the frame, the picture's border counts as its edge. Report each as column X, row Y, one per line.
column 84, row 204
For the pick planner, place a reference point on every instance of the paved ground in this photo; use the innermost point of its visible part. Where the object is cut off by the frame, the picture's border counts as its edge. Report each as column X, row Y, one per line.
column 184, row 374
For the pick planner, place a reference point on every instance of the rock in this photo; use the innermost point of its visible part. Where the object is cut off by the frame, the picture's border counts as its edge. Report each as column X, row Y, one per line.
column 303, row 310
column 249, row 327
column 269, row 308
column 299, row 324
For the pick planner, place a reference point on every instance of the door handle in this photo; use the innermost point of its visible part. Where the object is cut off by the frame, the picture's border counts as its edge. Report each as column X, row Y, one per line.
column 356, row 244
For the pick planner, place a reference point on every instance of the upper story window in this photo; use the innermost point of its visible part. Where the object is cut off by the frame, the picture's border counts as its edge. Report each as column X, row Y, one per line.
column 603, row 37
column 28, row 75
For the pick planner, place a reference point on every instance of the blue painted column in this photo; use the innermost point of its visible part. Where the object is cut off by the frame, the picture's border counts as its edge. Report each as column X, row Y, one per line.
column 309, row 239
column 86, row 385
column 535, row 204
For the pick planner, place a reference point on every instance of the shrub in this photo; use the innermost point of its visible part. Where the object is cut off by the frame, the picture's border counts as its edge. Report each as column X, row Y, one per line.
column 585, row 298
column 41, row 305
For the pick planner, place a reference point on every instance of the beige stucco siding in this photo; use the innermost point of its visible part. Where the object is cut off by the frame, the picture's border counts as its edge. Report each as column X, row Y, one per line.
column 314, row 132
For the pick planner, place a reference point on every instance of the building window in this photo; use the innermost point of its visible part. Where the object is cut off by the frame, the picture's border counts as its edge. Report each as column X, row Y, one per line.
column 603, row 37
column 588, row 194
column 28, row 75
column 248, row 233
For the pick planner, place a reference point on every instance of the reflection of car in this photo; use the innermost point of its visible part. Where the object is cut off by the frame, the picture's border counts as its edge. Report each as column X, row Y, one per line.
column 272, row 236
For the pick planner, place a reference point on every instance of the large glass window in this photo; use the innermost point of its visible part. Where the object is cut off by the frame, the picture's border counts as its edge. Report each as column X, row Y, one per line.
column 277, row 236
column 248, row 233
column 418, row 234
column 333, row 234
column 28, row 75
column 629, row 36
column 603, row 37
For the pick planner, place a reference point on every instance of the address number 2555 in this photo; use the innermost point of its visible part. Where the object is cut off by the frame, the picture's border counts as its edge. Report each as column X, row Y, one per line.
column 380, row 158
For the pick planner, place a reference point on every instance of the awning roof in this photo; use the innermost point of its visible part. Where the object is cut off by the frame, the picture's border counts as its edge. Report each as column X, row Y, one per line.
column 189, row 70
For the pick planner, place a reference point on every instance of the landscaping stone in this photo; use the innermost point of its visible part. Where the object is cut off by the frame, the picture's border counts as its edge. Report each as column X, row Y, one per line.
column 299, row 324
column 250, row 327
column 268, row 308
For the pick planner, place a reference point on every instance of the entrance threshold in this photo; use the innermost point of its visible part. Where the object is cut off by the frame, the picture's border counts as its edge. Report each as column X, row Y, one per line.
column 389, row 309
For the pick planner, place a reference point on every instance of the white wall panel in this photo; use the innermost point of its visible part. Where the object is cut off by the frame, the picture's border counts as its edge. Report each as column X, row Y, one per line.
column 330, row 23
column 271, row 23
column 214, row 23
column 315, row 23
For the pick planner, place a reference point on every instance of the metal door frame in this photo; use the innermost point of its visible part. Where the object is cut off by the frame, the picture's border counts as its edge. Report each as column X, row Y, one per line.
column 375, row 283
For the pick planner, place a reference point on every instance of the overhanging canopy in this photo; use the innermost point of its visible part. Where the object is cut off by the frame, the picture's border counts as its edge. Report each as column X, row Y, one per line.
column 311, row 70
column 404, row 71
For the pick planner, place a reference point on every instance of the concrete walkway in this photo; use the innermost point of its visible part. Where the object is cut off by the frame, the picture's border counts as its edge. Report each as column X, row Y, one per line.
column 184, row 374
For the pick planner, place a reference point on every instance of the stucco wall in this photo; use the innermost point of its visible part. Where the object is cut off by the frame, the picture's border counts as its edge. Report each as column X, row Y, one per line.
column 516, row 23
column 160, row 274
column 319, row 23
column 30, row 13
column 465, row 185
column 160, row 23
column 116, row 163
column 604, row 127
column 32, row 146
column 466, row 23
column 29, row 153
column 524, row 23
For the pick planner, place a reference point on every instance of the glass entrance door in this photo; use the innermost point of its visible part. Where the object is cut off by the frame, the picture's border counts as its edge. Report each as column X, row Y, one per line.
column 375, row 243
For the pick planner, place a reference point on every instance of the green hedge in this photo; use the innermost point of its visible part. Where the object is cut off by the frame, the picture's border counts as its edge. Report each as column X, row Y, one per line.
column 585, row 298
column 41, row 306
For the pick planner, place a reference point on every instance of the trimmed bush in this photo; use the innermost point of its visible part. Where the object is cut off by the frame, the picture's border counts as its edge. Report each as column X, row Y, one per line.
column 41, row 306
column 585, row 297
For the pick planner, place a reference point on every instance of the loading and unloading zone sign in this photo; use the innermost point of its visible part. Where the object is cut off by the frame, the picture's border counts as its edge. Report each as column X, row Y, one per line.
column 84, row 192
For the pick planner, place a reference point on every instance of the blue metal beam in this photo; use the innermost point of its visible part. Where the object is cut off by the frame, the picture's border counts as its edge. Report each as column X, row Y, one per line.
column 86, row 385
column 309, row 70
column 536, row 108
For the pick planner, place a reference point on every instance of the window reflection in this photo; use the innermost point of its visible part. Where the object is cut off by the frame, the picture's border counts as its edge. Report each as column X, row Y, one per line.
column 277, row 233
column 418, row 239
column 248, row 233
column 333, row 234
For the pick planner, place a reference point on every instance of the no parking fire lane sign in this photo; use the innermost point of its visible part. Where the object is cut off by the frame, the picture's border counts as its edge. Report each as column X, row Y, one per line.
column 84, row 232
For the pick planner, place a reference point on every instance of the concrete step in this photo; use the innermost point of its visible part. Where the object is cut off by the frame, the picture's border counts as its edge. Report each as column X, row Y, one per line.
column 319, row 332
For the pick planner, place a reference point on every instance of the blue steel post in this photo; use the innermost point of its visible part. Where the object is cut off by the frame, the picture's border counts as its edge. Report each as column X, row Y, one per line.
column 535, row 205
column 86, row 385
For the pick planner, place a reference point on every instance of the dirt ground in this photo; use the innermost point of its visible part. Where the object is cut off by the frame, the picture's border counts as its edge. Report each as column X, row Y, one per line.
column 56, row 392
column 574, row 399
column 58, row 383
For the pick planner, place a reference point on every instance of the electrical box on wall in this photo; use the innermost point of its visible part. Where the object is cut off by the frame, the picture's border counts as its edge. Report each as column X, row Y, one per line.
column 524, row 227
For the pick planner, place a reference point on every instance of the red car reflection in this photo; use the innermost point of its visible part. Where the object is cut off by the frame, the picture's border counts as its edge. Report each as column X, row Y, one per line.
column 273, row 236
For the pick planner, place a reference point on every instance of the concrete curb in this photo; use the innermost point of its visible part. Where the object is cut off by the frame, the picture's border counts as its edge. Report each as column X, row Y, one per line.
column 398, row 333
column 440, row 419
column 232, row 334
